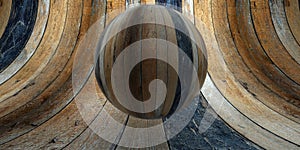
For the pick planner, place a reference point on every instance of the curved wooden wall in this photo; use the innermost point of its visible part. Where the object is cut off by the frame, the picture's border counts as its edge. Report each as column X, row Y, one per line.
column 254, row 73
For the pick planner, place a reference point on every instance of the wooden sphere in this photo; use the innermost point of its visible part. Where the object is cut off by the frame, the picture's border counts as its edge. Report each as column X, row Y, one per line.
column 154, row 31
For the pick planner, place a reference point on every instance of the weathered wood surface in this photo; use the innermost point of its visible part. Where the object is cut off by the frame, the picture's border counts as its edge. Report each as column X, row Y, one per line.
column 283, row 30
column 43, row 55
column 147, row 70
column 270, row 42
column 32, row 44
column 5, row 7
column 243, row 73
column 38, row 97
column 253, row 74
column 225, row 72
column 293, row 12
column 56, row 65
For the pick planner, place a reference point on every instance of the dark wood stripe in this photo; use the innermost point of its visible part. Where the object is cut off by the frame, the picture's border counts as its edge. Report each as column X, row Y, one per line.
column 18, row 30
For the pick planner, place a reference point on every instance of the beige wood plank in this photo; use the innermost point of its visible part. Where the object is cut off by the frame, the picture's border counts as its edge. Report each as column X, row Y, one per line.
column 5, row 8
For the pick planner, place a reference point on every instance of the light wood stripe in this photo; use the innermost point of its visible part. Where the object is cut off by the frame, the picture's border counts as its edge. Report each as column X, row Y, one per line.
column 5, row 8
column 293, row 13
column 283, row 30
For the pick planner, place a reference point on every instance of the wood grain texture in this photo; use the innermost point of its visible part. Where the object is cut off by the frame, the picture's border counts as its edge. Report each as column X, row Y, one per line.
column 34, row 67
column 283, row 29
column 27, row 102
column 43, row 80
column 32, row 43
column 5, row 8
column 17, row 31
column 273, row 47
column 293, row 12
column 253, row 64
column 146, row 71
column 240, row 69
column 271, row 77
column 235, row 93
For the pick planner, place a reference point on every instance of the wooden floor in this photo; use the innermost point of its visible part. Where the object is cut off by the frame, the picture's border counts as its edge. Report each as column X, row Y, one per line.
column 253, row 81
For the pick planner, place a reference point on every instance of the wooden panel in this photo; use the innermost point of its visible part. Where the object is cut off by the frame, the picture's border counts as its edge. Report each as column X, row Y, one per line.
column 148, row 2
column 109, row 53
column 39, row 94
column 43, row 55
column 133, row 137
column 54, row 67
column 229, row 42
column 273, row 47
column 237, row 96
column 262, row 67
column 172, row 79
column 90, row 140
column 5, row 7
column 37, row 104
column 148, row 68
column 283, row 30
column 114, row 8
column 146, row 71
column 135, row 122
column 32, row 44
column 293, row 12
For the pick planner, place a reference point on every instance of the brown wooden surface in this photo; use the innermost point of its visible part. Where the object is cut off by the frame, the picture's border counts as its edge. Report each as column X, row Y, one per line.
column 270, row 42
column 55, row 65
column 235, row 94
column 262, row 67
column 283, row 30
column 5, row 7
column 21, row 105
column 43, row 55
column 148, row 68
column 142, row 74
column 148, row 2
column 240, row 69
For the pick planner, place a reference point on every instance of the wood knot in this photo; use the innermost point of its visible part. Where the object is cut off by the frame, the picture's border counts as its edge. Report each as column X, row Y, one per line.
column 77, row 122
column 286, row 3
column 253, row 4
